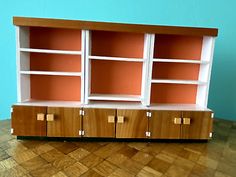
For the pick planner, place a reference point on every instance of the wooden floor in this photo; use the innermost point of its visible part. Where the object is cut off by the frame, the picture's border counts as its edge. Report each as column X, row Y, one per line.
column 216, row 158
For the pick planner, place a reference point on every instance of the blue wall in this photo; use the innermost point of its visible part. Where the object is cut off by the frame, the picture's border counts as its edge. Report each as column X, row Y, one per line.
column 208, row 13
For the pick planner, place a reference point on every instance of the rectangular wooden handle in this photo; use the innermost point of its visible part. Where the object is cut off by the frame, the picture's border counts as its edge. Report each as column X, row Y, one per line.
column 111, row 119
column 177, row 120
column 50, row 117
column 186, row 121
column 120, row 119
column 40, row 116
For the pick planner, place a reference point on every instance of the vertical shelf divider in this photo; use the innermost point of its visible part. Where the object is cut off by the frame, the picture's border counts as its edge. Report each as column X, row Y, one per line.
column 87, row 66
column 149, row 70
column 83, row 43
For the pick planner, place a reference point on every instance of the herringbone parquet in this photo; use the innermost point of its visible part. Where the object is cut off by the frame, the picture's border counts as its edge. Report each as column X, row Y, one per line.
column 217, row 158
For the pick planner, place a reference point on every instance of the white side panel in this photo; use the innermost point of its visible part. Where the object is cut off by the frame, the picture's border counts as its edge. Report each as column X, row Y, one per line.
column 87, row 66
column 205, row 70
column 144, row 87
column 150, row 63
column 23, row 63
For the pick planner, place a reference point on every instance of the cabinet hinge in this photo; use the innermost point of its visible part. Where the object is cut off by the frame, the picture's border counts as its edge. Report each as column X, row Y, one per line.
column 81, row 112
column 212, row 115
column 11, row 110
column 210, row 135
column 149, row 114
column 148, row 134
column 81, row 132
column 12, row 130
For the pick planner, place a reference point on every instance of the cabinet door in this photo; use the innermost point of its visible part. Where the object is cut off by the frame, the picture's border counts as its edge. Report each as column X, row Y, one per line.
column 162, row 124
column 131, row 124
column 199, row 127
column 66, row 122
column 25, row 123
column 99, row 122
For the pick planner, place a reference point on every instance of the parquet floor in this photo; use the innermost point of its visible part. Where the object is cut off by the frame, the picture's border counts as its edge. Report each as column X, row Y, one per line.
column 216, row 158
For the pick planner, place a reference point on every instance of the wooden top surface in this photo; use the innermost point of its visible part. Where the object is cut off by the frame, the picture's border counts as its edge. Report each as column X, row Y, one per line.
column 139, row 28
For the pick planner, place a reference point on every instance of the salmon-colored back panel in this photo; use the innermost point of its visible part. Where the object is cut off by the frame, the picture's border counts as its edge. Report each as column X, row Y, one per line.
column 117, row 44
column 54, row 62
column 175, row 71
column 178, row 47
column 116, row 77
column 174, row 93
column 55, row 38
column 63, row 88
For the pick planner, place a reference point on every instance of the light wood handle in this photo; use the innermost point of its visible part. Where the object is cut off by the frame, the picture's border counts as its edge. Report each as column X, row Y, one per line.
column 177, row 120
column 40, row 116
column 50, row 117
column 120, row 119
column 186, row 121
column 111, row 119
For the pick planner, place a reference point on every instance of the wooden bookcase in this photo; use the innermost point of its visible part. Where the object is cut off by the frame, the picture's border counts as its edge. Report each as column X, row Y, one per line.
column 94, row 79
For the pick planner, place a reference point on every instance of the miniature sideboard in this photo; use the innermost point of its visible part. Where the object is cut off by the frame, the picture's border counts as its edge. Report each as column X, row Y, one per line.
column 112, row 80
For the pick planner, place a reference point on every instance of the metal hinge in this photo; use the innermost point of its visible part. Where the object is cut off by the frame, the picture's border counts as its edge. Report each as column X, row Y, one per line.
column 149, row 114
column 210, row 135
column 81, row 132
column 212, row 115
column 11, row 110
column 12, row 130
column 148, row 134
column 81, row 112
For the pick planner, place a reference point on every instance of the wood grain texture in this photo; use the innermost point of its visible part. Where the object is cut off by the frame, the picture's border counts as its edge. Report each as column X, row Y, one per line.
column 161, row 125
column 77, row 24
column 95, row 123
column 200, row 125
column 135, row 124
column 67, row 122
column 25, row 123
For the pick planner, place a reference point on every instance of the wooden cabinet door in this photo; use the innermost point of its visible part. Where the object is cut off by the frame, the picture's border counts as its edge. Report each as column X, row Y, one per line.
column 24, row 121
column 66, row 123
column 162, row 125
column 99, row 123
column 200, row 125
column 131, row 123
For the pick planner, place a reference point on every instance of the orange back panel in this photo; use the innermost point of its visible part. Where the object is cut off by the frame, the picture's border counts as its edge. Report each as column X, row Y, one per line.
column 116, row 77
column 178, row 47
column 174, row 93
column 117, row 44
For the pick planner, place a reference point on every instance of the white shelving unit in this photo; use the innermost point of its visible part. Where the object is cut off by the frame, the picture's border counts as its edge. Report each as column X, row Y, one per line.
column 115, row 97
column 147, row 60
column 205, row 64
column 24, row 72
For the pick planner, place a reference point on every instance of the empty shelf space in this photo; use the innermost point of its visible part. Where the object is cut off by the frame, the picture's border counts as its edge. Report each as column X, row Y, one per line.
column 51, row 73
column 179, row 61
column 67, row 52
column 114, row 97
column 171, row 81
column 116, row 58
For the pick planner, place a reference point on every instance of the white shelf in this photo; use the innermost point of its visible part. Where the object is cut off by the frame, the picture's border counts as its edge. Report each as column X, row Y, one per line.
column 32, row 102
column 113, row 97
column 116, row 58
column 67, row 52
column 171, row 81
column 179, row 61
column 52, row 73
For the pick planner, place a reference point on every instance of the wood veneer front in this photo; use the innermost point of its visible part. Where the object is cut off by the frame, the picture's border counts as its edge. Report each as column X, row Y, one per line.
column 67, row 122
column 200, row 125
column 25, row 123
column 135, row 124
column 161, row 125
column 95, row 123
